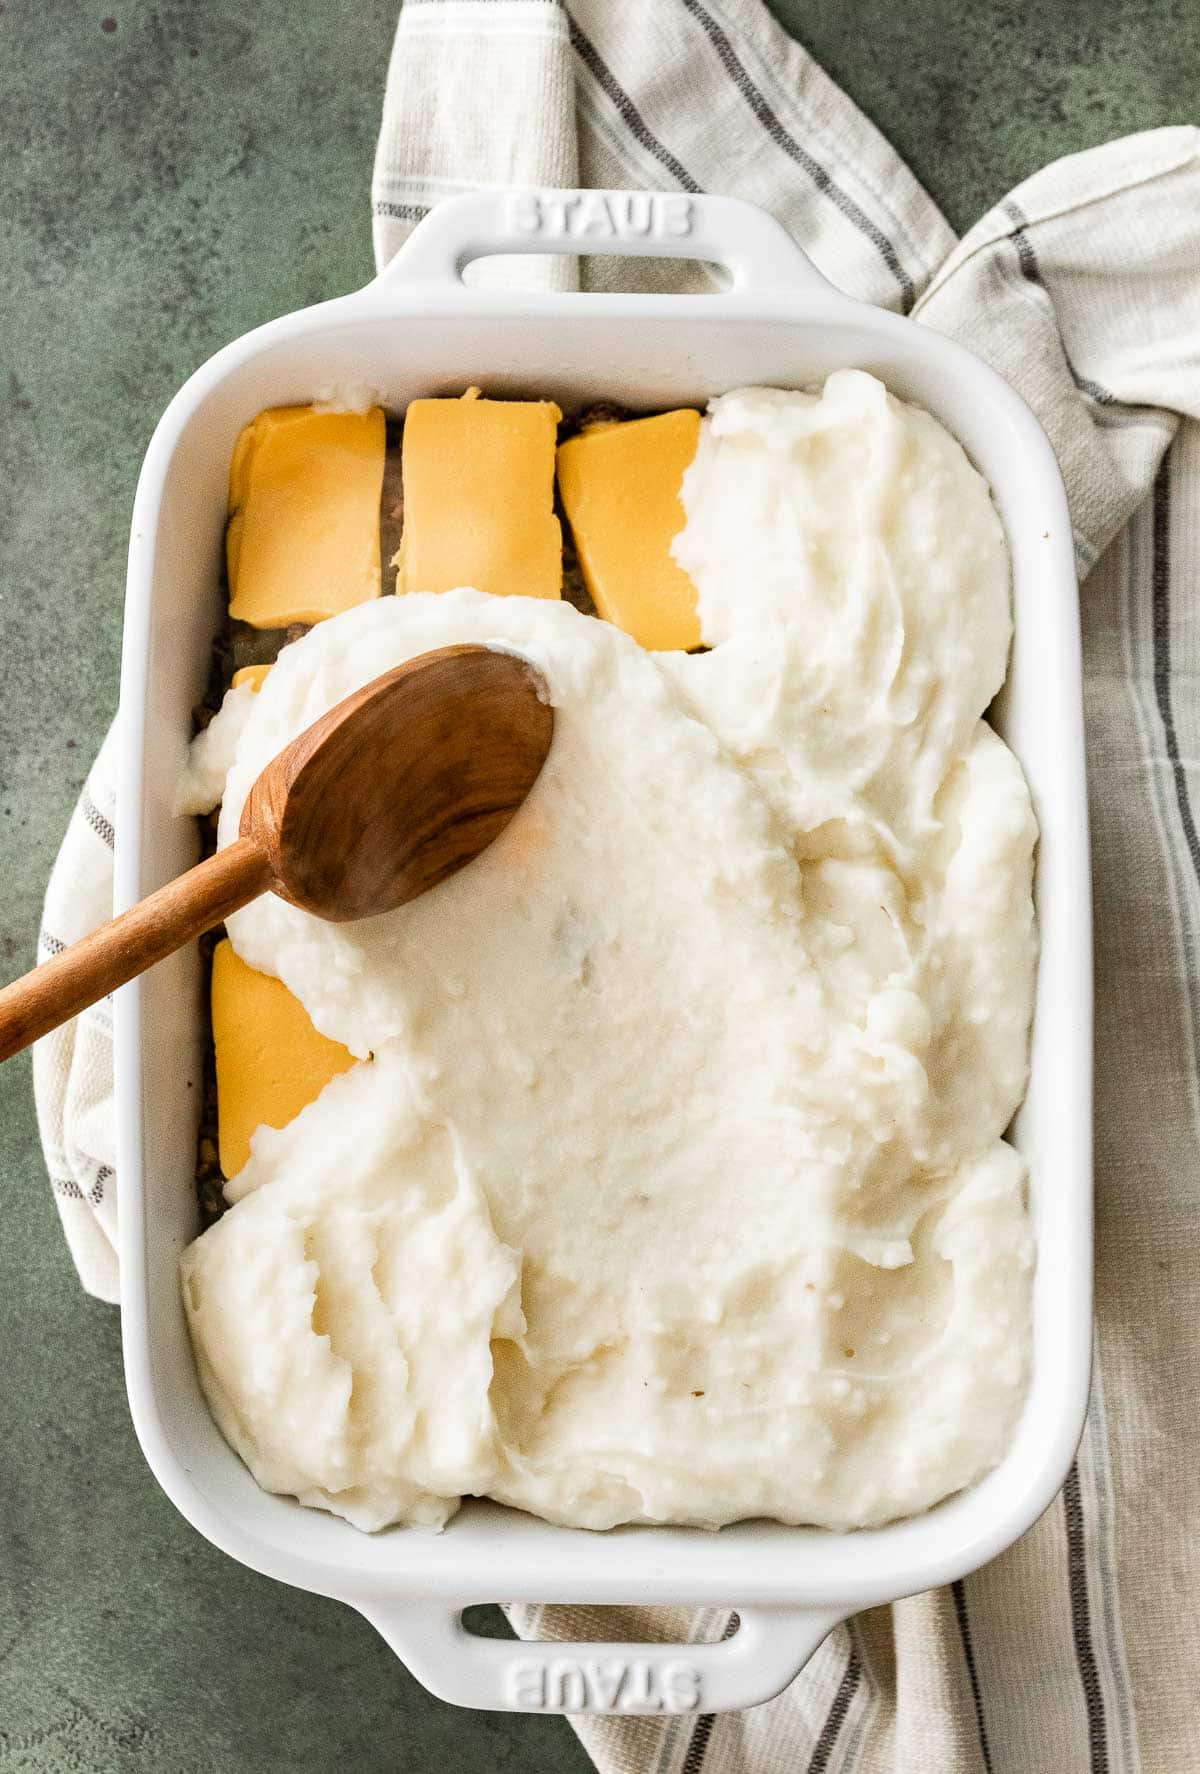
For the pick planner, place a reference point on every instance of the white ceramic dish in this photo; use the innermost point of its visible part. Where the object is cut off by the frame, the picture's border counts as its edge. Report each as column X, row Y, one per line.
column 418, row 330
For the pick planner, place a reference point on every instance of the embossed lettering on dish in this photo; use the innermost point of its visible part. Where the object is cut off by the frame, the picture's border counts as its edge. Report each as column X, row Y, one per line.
column 609, row 1684
column 601, row 215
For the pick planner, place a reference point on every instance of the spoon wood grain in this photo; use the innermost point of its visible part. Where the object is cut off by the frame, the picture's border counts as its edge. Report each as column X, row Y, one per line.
column 393, row 790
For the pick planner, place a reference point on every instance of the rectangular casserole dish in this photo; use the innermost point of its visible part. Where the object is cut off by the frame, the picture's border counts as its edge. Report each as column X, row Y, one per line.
column 418, row 330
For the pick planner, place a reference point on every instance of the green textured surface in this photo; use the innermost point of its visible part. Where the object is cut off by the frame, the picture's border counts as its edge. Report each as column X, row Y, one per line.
column 165, row 183
column 976, row 97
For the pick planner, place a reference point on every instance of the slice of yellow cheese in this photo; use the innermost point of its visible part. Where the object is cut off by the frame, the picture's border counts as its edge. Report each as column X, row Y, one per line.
column 250, row 674
column 271, row 1062
column 620, row 490
column 479, row 497
column 303, row 536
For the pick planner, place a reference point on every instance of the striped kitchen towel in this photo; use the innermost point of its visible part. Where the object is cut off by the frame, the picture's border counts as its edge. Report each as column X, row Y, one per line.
column 1077, row 1650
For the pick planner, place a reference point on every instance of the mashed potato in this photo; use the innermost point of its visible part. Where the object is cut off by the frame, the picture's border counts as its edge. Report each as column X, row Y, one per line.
column 671, row 1185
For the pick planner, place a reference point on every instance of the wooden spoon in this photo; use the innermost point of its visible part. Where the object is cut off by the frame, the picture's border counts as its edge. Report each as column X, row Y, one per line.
column 393, row 790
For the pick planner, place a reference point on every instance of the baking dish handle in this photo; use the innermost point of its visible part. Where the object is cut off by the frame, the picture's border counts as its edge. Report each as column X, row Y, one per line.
column 756, row 251
column 769, row 1647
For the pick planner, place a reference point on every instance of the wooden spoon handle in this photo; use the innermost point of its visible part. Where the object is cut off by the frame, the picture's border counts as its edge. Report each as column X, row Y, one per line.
column 126, row 946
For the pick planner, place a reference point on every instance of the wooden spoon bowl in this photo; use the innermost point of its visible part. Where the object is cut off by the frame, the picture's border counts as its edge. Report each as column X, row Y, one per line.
column 348, row 835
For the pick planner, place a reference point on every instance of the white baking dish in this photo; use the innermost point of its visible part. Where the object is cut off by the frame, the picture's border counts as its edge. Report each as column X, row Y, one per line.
column 418, row 330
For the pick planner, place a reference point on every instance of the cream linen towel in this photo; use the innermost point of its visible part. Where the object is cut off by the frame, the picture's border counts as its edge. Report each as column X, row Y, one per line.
column 1078, row 1650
